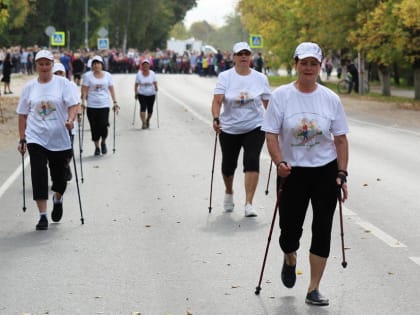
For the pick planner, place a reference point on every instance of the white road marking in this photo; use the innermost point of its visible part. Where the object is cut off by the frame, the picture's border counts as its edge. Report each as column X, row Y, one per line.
column 416, row 260
column 12, row 178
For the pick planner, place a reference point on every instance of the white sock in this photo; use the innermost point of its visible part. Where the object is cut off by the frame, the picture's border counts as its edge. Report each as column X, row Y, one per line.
column 45, row 213
column 59, row 200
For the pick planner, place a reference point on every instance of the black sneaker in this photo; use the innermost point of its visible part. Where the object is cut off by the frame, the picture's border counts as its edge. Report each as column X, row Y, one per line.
column 104, row 149
column 288, row 275
column 316, row 298
column 69, row 175
column 42, row 223
column 57, row 211
column 97, row 151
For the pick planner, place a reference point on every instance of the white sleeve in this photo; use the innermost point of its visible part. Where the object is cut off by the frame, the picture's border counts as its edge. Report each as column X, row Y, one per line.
column 273, row 117
column 23, row 106
column 221, row 84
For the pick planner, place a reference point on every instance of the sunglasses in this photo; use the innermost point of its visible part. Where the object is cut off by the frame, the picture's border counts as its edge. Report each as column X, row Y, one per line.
column 243, row 53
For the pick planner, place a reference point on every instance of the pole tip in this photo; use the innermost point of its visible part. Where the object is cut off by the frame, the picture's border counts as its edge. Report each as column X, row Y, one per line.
column 210, row 209
column 257, row 290
column 344, row 264
column 266, row 192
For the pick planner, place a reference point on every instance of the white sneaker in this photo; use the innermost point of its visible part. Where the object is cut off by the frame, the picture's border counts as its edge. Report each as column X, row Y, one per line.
column 249, row 211
column 228, row 203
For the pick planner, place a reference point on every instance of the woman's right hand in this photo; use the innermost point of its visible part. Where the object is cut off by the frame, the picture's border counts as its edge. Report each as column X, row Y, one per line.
column 216, row 125
column 22, row 147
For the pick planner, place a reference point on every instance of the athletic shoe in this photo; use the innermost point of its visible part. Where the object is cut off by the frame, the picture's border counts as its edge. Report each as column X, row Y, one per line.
column 316, row 298
column 42, row 223
column 250, row 211
column 104, row 149
column 228, row 203
column 57, row 211
column 97, row 151
column 288, row 275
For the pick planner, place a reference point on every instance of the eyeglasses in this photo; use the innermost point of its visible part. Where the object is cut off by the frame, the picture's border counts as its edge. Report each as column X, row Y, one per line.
column 243, row 53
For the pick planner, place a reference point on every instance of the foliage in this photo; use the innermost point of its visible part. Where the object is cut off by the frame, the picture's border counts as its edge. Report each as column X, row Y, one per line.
column 133, row 23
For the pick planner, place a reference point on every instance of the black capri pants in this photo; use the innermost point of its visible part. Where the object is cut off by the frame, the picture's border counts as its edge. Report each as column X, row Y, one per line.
column 231, row 145
column 99, row 122
column 57, row 161
column 146, row 102
column 304, row 184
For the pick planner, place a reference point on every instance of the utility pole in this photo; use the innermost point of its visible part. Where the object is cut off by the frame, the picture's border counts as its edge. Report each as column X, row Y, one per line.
column 86, row 24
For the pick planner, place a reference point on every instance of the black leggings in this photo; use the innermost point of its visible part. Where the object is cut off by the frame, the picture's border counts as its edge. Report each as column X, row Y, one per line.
column 231, row 145
column 146, row 103
column 57, row 161
column 304, row 184
column 99, row 122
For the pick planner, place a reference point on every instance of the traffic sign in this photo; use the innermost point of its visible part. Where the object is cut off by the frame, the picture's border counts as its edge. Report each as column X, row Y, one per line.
column 49, row 30
column 255, row 41
column 103, row 43
column 58, row 39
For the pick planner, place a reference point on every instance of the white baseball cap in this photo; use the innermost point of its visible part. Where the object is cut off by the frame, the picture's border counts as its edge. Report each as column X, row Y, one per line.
column 44, row 54
column 58, row 66
column 97, row 58
column 241, row 46
column 308, row 49
column 145, row 61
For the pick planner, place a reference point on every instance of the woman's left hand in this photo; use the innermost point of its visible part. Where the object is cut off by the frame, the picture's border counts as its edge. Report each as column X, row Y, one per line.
column 69, row 124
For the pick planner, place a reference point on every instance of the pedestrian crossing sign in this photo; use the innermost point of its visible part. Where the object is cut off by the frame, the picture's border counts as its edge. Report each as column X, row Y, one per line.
column 103, row 43
column 255, row 41
column 58, row 39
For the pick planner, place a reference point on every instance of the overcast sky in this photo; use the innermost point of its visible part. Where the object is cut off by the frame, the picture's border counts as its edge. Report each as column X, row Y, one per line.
column 212, row 11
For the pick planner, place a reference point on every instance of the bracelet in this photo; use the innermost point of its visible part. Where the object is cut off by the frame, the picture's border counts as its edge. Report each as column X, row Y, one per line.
column 216, row 120
column 282, row 162
column 115, row 102
column 22, row 141
column 344, row 172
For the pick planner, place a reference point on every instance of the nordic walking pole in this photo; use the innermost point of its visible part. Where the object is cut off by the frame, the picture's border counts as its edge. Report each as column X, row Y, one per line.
column 280, row 189
column 135, row 108
column 269, row 175
column 83, row 130
column 157, row 109
column 212, row 170
column 23, row 182
column 344, row 262
column 77, row 181
column 113, row 144
column 80, row 153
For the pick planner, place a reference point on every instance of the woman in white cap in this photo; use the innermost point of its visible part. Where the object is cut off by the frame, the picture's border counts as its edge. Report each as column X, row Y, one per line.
column 306, row 136
column 46, row 113
column 145, row 89
column 244, row 93
column 97, row 84
column 60, row 70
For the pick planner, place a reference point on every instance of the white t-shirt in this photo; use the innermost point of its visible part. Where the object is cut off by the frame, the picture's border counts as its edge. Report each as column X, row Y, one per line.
column 98, row 89
column 146, row 86
column 306, row 124
column 242, row 104
column 46, row 105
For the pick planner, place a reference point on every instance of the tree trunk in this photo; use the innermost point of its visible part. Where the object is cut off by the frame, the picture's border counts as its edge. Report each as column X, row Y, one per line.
column 416, row 69
column 385, row 78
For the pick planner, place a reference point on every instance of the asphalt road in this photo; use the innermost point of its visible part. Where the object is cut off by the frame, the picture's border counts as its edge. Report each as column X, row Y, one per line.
column 149, row 244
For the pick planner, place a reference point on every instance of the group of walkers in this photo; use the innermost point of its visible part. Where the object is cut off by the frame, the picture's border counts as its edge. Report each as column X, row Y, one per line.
column 303, row 124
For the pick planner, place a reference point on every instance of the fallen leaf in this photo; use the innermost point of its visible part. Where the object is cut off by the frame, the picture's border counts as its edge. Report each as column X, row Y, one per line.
column 189, row 313
column 391, row 273
column 272, row 297
column 147, row 225
column 365, row 184
column 235, row 286
column 299, row 272
column 367, row 231
column 378, row 179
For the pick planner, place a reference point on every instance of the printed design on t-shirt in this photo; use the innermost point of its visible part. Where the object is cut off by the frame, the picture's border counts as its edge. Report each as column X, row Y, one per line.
column 305, row 133
column 98, row 87
column 45, row 109
column 243, row 99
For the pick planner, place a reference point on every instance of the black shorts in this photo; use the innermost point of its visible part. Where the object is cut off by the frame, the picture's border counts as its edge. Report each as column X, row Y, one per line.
column 252, row 143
